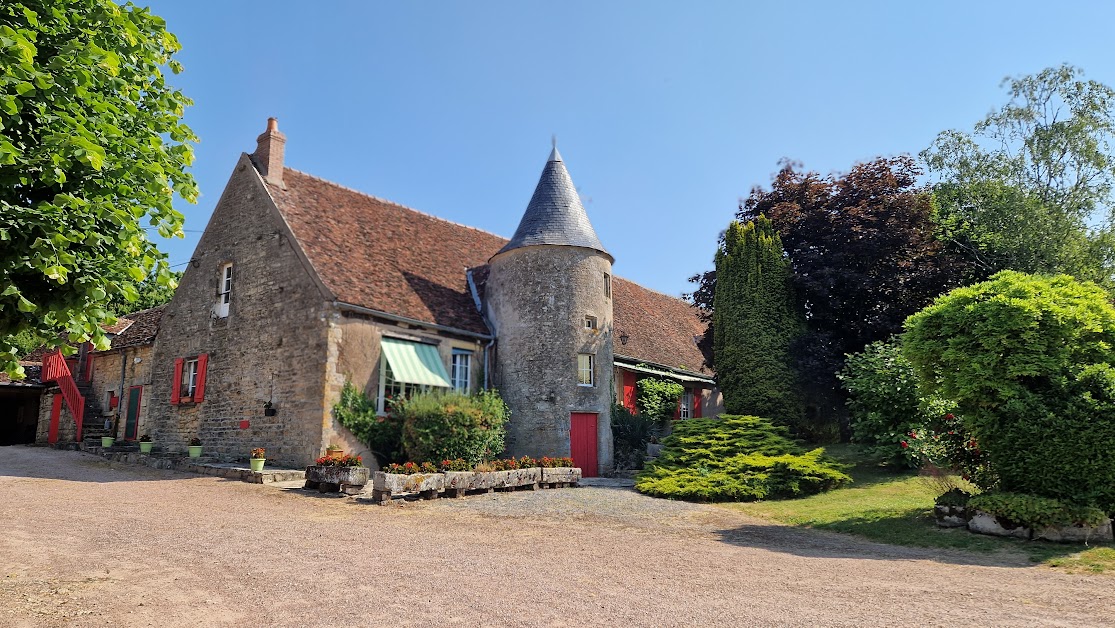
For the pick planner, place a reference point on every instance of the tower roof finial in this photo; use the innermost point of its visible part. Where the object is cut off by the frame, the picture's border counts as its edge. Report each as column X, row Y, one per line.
column 554, row 154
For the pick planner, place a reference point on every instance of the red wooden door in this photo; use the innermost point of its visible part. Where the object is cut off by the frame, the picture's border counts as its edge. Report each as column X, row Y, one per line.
column 55, row 417
column 629, row 391
column 582, row 442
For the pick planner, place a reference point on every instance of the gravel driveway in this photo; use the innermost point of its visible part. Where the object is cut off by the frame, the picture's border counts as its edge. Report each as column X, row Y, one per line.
column 89, row 543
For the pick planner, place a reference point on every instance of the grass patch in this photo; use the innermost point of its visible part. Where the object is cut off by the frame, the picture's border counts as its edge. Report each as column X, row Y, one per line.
column 897, row 508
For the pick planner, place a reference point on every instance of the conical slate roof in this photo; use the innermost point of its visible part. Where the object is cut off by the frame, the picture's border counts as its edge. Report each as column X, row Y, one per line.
column 555, row 214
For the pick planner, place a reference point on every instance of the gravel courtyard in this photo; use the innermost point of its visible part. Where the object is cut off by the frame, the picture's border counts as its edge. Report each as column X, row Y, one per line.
column 89, row 543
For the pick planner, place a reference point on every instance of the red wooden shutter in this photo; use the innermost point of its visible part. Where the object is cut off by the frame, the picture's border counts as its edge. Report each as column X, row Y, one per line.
column 629, row 395
column 202, row 366
column 176, row 387
column 697, row 403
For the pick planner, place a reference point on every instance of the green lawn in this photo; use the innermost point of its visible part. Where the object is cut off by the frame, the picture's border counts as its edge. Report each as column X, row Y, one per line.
column 897, row 508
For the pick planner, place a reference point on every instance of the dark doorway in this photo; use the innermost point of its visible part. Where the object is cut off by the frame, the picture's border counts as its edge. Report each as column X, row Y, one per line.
column 19, row 414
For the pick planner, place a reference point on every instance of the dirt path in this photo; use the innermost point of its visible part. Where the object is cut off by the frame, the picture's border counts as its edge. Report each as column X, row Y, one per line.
column 87, row 543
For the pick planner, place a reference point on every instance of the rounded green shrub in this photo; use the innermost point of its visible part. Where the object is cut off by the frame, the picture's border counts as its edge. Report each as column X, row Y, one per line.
column 382, row 434
column 1028, row 361
column 736, row 458
column 448, row 425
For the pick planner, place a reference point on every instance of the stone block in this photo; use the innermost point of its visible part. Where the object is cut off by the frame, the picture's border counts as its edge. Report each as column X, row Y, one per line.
column 1076, row 534
column 984, row 523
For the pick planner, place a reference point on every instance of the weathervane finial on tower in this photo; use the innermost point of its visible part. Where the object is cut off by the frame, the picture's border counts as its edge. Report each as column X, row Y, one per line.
column 554, row 155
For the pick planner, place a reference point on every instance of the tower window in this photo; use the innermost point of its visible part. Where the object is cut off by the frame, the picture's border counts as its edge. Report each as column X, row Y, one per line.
column 586, row 372
column 590, row 322
column 607, row 285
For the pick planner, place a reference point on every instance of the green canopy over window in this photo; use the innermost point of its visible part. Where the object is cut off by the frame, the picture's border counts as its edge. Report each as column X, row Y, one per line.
column 415, row 363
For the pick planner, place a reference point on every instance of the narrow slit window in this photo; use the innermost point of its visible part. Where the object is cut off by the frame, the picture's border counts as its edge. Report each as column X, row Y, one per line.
column 607, row 285
column 590, row 322
column 224, row 292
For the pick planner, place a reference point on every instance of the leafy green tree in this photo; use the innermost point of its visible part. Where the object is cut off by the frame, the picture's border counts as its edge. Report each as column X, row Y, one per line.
column 1030, row 189
column 151, row 293
column 756, row 320
column 91, row 144
column 1030, row 362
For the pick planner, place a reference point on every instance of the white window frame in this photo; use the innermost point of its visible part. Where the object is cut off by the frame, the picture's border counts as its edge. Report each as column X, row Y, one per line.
column 224, row 290
column 685, row 405
column 586, row 370
column 590, row 322
column 460, row 370
column 189, row 379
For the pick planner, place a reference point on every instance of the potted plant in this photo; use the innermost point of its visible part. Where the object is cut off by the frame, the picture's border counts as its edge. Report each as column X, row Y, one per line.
column 334, row 451
column 259, row 456
column 145, row 444
column 106, row 441
column 195, row 447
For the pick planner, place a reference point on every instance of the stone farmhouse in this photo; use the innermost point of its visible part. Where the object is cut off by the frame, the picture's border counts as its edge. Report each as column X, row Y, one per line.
column 298, row 285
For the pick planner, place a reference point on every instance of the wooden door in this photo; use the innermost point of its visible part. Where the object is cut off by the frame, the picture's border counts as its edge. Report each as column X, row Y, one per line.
column 582, row 442
column 55, row 419
column 131, row 426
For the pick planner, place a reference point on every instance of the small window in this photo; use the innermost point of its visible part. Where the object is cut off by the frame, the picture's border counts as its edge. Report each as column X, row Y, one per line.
column 685, row 405
column 189, row 378
column 461, row 370
column 590, row 322
column 224, row 291
column 585, row 369
column 607, row 285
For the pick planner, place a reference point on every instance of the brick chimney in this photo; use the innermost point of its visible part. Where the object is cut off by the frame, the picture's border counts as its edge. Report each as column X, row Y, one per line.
column 269, row 153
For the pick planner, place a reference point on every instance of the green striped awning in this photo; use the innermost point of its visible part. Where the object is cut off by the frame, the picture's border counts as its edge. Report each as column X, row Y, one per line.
column 415, row 363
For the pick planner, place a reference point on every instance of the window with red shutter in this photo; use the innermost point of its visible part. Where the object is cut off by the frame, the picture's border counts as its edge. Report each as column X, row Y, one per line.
column 202, row 367
column 176, row 387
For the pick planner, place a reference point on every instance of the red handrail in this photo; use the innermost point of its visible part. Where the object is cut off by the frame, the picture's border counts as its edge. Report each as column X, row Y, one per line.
column 55, row 369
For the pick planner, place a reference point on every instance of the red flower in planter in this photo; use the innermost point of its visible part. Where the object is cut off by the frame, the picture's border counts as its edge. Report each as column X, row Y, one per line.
column 904, row 444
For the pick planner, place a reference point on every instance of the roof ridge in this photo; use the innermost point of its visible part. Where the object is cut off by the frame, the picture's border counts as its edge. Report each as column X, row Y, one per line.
column 129, row 315
column 390, row 202
column 668, row 296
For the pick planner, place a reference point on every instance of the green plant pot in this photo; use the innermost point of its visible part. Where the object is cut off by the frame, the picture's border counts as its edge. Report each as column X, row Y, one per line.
column 195, row 451
column 145, row 447
column 257, row 464
column 106, row 441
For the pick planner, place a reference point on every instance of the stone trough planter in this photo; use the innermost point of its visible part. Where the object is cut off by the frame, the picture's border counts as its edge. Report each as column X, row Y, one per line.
column 951, row 516
column 326, row 479
column 426, row 485
column 985, row 523
column 560, row 476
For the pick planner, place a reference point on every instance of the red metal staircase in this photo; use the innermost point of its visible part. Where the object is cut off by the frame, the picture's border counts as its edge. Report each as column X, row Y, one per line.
column 56, row 370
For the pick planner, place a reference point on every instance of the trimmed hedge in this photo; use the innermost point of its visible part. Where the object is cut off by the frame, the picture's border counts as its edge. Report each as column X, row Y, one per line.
column 445, row 426
column 736, row 458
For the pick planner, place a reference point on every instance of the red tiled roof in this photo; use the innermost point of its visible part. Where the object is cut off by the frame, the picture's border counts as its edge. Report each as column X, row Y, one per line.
column 383, row 256
column 379, row 255
column 130, row 330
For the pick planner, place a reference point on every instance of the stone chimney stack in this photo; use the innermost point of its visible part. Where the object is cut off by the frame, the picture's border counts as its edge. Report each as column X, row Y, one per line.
column 269, row 153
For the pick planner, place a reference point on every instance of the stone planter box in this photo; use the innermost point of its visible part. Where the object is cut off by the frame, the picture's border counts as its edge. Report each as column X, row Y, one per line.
column 524, row 477
column 951, row 516
column 984, row 523
column 385, row 485
column 560, row 475
column 349, row 480
column 1076, row 534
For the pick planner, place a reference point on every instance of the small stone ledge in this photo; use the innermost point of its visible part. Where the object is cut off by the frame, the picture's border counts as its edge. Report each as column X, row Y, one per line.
column 199, row 466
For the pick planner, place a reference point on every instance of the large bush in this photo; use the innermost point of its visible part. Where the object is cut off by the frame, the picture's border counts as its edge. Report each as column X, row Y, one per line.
column 1028, row 360
column 630, row 434
column 736, row 458
column 449, row 425
column 382, row 434
column 887, row 409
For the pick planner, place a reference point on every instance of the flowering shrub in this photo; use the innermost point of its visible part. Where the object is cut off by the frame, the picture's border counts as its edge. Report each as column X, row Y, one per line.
column 551, row 463
column 410, row 468
column 259, row 452
column 339, row 461
column 459, row 464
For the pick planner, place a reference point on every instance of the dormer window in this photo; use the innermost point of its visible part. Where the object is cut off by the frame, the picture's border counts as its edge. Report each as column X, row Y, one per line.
column 224, row 290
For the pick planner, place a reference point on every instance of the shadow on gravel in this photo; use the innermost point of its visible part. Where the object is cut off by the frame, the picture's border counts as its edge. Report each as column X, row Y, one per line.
column 19, row 461
column 819, row 543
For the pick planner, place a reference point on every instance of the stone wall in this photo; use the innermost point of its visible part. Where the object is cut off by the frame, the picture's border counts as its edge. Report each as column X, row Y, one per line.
column 108, row 376
column 271, row 347
column 354, row 355
column 537, row 300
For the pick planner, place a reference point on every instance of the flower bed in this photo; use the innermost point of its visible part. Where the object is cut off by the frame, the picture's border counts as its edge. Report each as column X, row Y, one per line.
column 456, row 479
column 331, row 473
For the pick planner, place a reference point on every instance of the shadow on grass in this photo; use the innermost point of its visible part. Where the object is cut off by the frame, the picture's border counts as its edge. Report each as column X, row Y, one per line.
column 904, row 535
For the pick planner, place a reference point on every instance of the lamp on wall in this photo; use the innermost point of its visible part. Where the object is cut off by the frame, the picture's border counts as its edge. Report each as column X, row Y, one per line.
column 623, row 337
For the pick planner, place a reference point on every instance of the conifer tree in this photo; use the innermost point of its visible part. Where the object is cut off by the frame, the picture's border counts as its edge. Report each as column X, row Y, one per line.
column 755, row 319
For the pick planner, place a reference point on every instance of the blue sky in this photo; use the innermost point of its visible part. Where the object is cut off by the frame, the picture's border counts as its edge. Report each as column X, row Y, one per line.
column 666, row 113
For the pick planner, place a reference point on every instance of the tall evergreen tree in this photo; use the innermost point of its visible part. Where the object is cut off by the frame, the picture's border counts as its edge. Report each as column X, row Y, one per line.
column 755, row 319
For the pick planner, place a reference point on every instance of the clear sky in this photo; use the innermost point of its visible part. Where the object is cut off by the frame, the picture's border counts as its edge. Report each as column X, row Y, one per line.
column 666, row 113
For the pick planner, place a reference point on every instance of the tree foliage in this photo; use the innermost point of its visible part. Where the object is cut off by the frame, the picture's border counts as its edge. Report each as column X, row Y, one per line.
column 756, row 320
column 657, row 399
column 1030, row 363
column 91, row 144
column 149, row 293
column 1030, row 189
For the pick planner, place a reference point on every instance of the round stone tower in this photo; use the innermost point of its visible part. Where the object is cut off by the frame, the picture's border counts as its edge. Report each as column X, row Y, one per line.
column 549, row 298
